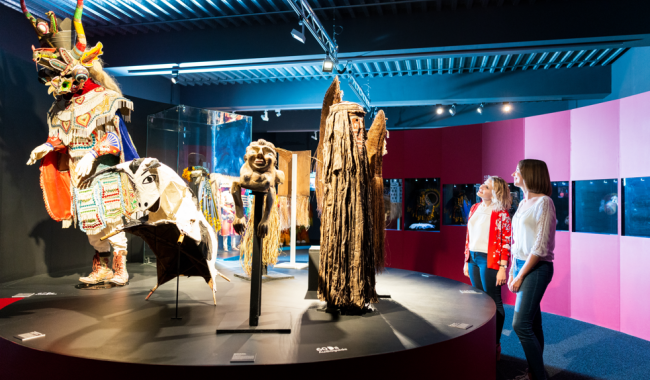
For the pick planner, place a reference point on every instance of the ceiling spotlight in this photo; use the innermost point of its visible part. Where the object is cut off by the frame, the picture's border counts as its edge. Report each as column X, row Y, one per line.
column 452, row 110
column 298, row 35
column 265, row 117
column 174, row 80
column 174, row 76
column 440, row 109
column 277, row 113
column 479, row 109
column 507, row 107
column 328, row 65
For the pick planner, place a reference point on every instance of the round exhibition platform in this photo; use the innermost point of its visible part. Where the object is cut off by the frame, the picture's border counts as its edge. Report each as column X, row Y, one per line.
column 116, row 332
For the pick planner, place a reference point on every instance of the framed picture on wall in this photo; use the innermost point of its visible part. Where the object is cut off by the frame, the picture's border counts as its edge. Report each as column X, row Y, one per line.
column 635, row 211
column 457, row 200
column 595, row 206
column 560, row 197
column 422, row 204
column 393, row 203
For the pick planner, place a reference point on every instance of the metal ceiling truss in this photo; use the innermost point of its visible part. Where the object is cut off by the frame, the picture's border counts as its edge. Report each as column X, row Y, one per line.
column 143, row 16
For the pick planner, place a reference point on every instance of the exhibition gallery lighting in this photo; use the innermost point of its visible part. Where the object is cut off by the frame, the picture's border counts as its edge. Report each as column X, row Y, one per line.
column 277, row 113
column 452, row 109
column 479, row 109
column 507, row 107
column 298, row 35
column 174, row 76
column 440, row 109
column 328, row 65
column 265, row 117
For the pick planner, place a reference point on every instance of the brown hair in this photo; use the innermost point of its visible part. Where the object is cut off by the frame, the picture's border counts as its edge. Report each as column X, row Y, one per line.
column 501, row 194
column 535, row 176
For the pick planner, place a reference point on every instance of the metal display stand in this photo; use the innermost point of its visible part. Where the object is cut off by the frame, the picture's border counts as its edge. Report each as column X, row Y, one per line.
column 282, row 326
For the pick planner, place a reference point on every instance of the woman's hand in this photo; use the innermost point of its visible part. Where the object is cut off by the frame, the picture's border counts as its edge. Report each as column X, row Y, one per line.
column 510, row 281
column 465, row 270
column 501, row 276
column 516, row 283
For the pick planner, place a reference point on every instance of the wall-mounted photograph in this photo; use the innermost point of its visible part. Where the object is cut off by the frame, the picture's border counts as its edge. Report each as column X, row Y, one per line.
column 595, row 206
column 636, row 206
column 560, row 197
column 393, row 203
column 457, row 200
column 422, row 201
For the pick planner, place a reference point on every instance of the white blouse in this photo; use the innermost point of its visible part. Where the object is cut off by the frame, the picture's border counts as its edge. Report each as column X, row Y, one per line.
column 533, row 231
column 479, row 228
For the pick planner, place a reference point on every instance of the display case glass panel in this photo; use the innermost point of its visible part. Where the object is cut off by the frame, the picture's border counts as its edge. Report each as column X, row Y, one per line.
column 560, row 197
column 636, row 206
column 422, row 204
column 185, row 136
column 595, row 206
column 457, row 200
column 393, row 203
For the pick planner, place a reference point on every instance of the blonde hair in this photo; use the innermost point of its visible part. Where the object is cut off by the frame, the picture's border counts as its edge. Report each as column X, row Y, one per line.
column 102, row 77
column 500, row 194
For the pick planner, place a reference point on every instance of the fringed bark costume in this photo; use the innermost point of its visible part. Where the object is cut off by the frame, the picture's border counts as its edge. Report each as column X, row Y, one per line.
column 302, row 188
column 86, row 133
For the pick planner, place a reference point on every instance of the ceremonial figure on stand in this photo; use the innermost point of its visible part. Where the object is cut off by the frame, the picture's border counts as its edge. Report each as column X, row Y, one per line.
column 86, row 133
column 260, row 175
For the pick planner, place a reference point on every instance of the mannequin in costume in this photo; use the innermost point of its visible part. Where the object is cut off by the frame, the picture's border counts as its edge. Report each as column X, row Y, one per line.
column 86, row 133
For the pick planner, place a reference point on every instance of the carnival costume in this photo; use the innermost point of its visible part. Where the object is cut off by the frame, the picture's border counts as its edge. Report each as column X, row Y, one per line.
column 86, row 133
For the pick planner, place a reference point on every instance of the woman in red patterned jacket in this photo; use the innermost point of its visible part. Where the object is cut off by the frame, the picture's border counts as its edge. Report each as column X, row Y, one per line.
column 487, row 247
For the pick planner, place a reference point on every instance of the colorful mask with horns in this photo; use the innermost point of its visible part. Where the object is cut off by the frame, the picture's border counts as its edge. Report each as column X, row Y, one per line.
column 62, row 55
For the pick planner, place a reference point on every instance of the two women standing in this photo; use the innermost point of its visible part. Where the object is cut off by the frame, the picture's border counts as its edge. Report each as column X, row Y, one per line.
column 490, row 244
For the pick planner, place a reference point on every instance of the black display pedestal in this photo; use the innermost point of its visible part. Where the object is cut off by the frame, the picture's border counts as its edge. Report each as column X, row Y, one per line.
column 272, row 326
column 312, row 270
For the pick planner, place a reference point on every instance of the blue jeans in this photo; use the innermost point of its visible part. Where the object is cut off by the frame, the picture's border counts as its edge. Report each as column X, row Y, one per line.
column 527, row 321
column 485, row 279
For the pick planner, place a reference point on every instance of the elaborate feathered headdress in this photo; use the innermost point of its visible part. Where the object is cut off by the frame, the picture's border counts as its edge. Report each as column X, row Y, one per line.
column 62, row 53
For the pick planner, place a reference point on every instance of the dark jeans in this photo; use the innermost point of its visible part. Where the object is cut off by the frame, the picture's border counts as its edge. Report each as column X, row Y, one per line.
column 527, row 321
column 485, row 279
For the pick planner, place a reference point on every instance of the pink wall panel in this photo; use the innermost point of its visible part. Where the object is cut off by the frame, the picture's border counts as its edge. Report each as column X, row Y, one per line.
column 635, row 286
column 461, row 154
column 392, row 163
column 503, row 147
column 557, row 299
column 595, row 279
column 548, row 138
column 595, row 141
column 635, row 136
column 422, row 153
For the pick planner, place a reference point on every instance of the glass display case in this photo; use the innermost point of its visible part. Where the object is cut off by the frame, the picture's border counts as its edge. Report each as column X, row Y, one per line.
column 595, row 206
column 185, row 136
column 422, row 204
column 457, row 200
column 636, row 207
column 560, row 198
column 393, row 203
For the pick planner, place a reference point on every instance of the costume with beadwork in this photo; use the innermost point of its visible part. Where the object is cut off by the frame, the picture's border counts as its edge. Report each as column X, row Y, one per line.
column 86, row 133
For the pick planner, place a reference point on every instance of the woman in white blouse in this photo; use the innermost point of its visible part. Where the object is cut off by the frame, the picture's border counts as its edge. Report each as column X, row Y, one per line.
column 533, row 242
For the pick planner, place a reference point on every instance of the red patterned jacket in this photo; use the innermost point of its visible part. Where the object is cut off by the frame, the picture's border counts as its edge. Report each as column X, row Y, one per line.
column 499, row 243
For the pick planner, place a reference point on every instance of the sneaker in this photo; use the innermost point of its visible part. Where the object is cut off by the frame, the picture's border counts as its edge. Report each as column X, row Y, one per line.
column 121, row 276
column 101, row 271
